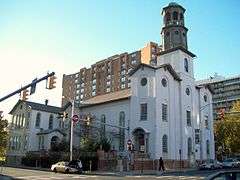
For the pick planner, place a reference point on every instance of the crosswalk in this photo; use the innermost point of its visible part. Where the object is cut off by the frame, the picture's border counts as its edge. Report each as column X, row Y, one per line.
column 56, row 177
column 179, row 177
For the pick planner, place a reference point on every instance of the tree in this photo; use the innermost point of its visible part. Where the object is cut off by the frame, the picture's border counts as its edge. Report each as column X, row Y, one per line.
column 3, row 137
column 227, row 130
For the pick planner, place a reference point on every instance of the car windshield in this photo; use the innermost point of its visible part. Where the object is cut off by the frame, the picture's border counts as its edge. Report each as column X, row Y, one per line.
column 229, row 160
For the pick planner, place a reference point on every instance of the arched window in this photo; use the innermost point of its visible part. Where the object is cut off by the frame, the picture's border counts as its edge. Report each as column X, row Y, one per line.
column 50, row 122
column 103, row 127
column 121, row 131
column 38, row 120
column 189, row 142
column 54, row 142
column 181, row 16
column 208, row 148
column 175, row 15
column 168, row 16
column 164, row 144
column 186, row 64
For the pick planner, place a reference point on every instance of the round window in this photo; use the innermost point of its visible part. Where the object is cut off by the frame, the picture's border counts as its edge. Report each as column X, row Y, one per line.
column 143, row 81
column 187, row 91
column 205, row 98
column 164, row 82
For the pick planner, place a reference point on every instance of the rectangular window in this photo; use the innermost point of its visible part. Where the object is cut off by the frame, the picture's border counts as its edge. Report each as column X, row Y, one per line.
column 164, row 112
column 188, row 118
column 197, row 136
column 143, row 112
column 206, row 122
column 123, row 86
column 108, row 89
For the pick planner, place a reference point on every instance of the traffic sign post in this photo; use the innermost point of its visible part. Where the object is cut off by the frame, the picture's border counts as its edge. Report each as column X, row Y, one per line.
column 75, row 118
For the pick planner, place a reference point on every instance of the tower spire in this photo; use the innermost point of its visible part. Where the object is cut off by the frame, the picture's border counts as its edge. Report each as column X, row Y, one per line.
column 174, row 32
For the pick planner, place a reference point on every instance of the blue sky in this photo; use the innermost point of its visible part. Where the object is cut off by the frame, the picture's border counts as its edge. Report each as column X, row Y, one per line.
column 66, row 35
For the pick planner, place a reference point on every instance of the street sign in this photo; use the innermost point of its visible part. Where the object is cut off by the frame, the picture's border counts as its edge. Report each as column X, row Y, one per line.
column 75, row 118
column 129, row 142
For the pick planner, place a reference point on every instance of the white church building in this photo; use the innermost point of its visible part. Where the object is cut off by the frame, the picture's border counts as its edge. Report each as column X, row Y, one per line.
column 164, row 112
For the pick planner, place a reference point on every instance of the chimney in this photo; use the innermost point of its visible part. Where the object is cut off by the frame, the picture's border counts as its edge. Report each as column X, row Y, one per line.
column 46, row 102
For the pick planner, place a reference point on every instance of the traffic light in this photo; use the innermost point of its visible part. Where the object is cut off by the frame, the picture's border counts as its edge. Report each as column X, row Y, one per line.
column 24, row 94
column 33, row 86
column 51, row 81
column 88, row 120
column 62, row 115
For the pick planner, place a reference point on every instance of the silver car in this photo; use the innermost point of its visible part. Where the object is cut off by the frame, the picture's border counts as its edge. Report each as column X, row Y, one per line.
column 66, row 167
column 230, row 163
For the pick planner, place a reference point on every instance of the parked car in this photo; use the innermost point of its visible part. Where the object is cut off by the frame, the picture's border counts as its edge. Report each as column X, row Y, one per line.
column 231, row 163
column 211, row 164
column 228, row 175
column 74, row 166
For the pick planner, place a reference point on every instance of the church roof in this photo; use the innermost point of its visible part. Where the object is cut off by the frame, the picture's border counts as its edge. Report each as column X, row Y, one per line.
column 109, row 97
column 165, row 66
column 38, row 107
column 175, row 49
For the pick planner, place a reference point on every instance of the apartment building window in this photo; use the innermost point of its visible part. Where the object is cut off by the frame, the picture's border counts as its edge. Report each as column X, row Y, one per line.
column 76, row 75
column 123, row 79
column 81, row 96
column 206, row 122
column 76, row 81
column 82, row 90
column 123, row 66
column 25, row 142
column 123, row 72
column 129, row 70
column 133, row 55
column 77, row 92
column 143, row 111
column 108, row 83
column 188, row 118
column 93, row 93
column 165, row 144
column 78, row 86
column 50, row 122
column 109, row 76
column 134, row 61
column 93, row 87
column 94, row 81
column 123, row 86
column 77, row 97
column 82, row 84
column 164, row 113
column 108, row 89
column 38, row 120
column 197, row 136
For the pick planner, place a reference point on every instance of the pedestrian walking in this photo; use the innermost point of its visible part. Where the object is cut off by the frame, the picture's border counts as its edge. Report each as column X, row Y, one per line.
column 161, row 164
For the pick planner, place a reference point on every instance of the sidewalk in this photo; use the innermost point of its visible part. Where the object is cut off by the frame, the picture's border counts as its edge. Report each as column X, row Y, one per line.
column 115, row 173
column 137, row 172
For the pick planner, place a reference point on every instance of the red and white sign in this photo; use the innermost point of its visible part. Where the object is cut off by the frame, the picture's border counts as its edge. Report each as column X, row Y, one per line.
column 75, row 118
column 129, row 142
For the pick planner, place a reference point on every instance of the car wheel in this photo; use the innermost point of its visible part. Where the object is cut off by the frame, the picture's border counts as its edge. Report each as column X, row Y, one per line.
column 67, row 171
column 54, row 170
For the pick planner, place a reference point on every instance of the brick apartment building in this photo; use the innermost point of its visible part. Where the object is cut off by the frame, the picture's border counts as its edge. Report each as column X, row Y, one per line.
column 106, row 76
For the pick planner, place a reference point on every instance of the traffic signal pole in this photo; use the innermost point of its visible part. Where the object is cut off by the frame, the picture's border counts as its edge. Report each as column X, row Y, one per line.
column 71, row 133
column 27, row 86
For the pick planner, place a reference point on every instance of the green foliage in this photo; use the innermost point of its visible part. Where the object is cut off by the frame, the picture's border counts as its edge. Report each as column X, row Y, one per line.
column 62, row 146
column 227, row 134
column 3, row 137
column 89, row 145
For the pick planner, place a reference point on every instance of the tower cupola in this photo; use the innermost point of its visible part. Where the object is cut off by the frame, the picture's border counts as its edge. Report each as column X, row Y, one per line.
column 174, row 32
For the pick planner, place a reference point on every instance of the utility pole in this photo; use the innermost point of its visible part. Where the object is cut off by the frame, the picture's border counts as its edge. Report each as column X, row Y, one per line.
column 71, row 131
column 32, row 85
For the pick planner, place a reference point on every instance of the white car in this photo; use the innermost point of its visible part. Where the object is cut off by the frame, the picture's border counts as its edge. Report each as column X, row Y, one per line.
column 211, row 164
column 230, row 163
column 67, row 167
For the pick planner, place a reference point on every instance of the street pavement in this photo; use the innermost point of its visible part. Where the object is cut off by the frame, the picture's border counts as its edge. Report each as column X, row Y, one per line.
column 27, row 174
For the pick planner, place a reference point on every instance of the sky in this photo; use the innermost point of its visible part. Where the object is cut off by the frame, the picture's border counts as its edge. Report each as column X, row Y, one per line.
column 63, row 36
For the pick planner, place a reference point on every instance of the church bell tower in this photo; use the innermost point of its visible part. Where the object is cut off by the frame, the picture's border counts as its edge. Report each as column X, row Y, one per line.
column 174, row 33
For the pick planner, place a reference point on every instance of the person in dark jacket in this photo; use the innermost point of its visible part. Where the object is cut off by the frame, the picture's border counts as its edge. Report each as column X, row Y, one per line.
column 161, row 164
